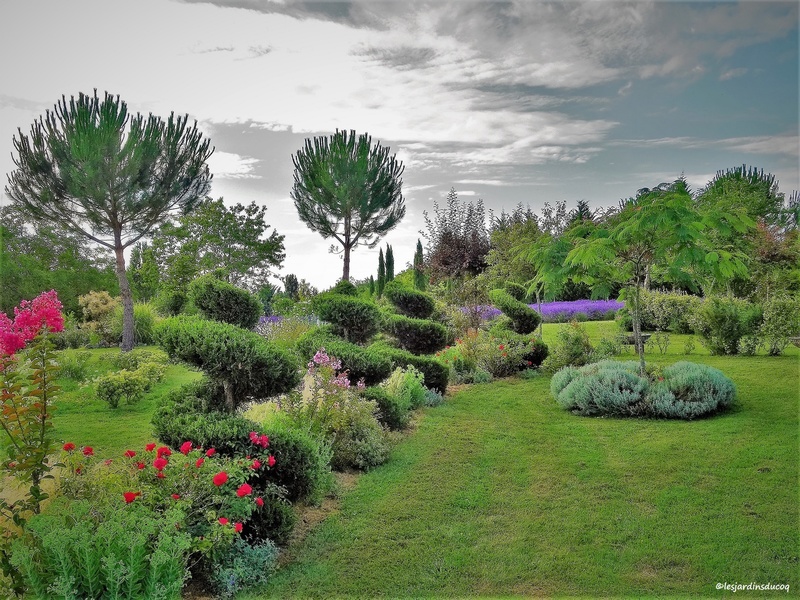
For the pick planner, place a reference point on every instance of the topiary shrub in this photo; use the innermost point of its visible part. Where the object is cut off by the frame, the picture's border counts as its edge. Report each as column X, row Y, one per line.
column 419, row 336
column 220, row 301
column 360, row 363
column 244, row 363
column 516, row 291
column 434, row 372
column 354, row 319
column 345, row 288
column 524, row 318
column 409, row 302
column 393, row 411
column 683, row 390
column 274, row 520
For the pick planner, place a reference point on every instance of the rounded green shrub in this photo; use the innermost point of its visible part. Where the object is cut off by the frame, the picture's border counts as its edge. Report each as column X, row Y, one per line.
column 418, row 336
column 243, row 362
column 360, row 441
column 345, row 288
column 722, row 322
column 516, row 291
column 170, row 302
column 572, row 347
column 409, row 302
column 612, row 390
column 274, row 520
column 394, row 411
column 122, row 385
column 524, row 318
column 781, row 322
column 360, row 362
column 220, row 301
column 435, row 373
column 354, row 319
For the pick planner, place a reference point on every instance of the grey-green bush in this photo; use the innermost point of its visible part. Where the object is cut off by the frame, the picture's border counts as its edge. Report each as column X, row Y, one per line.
column 244, row 566
column 220, row 301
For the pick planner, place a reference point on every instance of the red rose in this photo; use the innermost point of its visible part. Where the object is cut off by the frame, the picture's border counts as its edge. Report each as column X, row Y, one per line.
column 78, row 470
column 107, row 462
column 237, row 527
column 69, row 446
column 160, row 463
column 150, row 447
column 223, row 521
column 88, row 451
column 186, row 447
column 199, row 463
column 220, row 478
column 163, row 451
column 161, row 475
column 140, row 465
column 130, row 496
column 260, row 501
column 176, row 496
column 271, row 460
column 210, row 452
column 256, row 464
column 129, row 453
column 244, row 490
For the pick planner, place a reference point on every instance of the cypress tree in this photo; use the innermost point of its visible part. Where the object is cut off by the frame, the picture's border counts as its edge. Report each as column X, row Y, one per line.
column 371, row 285
column 381, row 273
column 419, row 273
column 389, row 263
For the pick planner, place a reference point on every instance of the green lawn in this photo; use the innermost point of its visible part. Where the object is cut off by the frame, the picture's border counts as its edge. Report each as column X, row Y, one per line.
column 499, row 492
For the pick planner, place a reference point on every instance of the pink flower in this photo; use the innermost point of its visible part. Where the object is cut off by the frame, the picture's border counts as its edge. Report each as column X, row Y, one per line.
column 88, row 451
column 237, row 527
column 107, row 462
column 129, row 454
column 210, row 452
column 260, row 501
column 256, row 464
column 186, row 447
column 223, row 521
column 150, row 447
column 160, row 463
column 220, row 478
column 161, row 475
column 163, row 451
column 199, row 463
column 271, row 461
column 244, row 490
column 176, row 496
column 130, row 496
column 140, row 465
column 69, row 447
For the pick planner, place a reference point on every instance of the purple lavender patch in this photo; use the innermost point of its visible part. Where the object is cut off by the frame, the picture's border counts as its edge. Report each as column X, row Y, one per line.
column 593, row 310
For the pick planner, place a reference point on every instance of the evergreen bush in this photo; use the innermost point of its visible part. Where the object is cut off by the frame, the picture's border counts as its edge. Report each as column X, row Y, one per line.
column 418, row 336
column 410, row 303
column 353, row 319
column 360, row 363
column 220, row 301
column 523, row 317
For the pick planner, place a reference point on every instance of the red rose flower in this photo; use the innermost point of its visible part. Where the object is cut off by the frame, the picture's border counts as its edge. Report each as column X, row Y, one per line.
column 160, row 463
column 78, row 470
column 210, row 452
column 129, row 454
column 271, row 460
column 176, row 496
column 199, row 463
column 223, row 521
column 244, row 490
column 161, row 475
column 260, row 501
column 107, row 462
column 186, row 447
column 130, row 496
column 163, row 451
column 88, row 451
column 140, row 465
column 256, row 464
column 237, row 527
column 220, row 478
column 69, row 446
column 150, row 447
column 500, row 347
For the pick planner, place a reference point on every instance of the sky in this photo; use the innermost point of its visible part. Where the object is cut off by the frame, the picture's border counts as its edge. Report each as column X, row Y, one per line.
column 514, row 102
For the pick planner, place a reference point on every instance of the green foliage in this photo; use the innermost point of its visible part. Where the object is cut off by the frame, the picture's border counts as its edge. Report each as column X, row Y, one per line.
column 781, row 321
column 435, row 373
column 344, row 288
column 381, row 283
column 663, row 311
column 287, row 331
column 420, row 282
column 275, row 520
column 170, row 302
column 83, row 148
column 135, row 358
column 354, row 319
column 572, row 347
column 361, row 363
column 144, row 321
column 410, row 303
column 721, row 322
column 221, row 301
column 81, row 550
column 122, row 385
column 389, row 263
column 245, row 566
column 524, row 318
column 75, row 365
column 361, row 442
column 393, row 411
column 418, row 336
column 407, row 383
column 347, row 189
column 516, row 291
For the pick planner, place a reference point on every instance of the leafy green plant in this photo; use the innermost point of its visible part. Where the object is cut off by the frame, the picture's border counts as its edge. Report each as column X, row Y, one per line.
column 221, row 301
column 688, row 345
column 244, row 566
column 129, row 386
column 434, row 371
column 524, row 319
column 75, row 365
column 572, row 347
column 393, row 411
column 131, row 360
column 721, row 322
column 418, row 336
column 144, row 321
column 409, row 302
column 781, row 321
column 353, row 319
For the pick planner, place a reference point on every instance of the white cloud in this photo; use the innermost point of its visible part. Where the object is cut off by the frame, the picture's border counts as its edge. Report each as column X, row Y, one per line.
column 227, row 165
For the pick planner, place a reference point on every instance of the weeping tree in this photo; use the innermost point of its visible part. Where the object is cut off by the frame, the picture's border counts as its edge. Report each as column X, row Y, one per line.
column 112, row 177
column 349, row 190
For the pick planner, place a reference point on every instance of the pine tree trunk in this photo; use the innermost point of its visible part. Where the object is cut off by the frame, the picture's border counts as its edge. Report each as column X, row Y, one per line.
column 346, row 266
column 128, row 340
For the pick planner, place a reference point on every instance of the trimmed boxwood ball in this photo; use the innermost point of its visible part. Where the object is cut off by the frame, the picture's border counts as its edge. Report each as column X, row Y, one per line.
column 524, row 318
column 243, row 362
column 354, row 319
column 408, row 302
column 419, row 336
column 357, row 360
column 220, row 301
column 345, row 288
column 435, row 372
column 684, row 391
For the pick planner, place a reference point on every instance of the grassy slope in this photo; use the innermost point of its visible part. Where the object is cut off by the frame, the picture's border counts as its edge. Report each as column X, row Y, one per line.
column 500, row 492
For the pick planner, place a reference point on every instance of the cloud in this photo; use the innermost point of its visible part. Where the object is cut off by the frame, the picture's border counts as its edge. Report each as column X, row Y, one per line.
column 732, row 73
column 787, row 144
column 227, row 165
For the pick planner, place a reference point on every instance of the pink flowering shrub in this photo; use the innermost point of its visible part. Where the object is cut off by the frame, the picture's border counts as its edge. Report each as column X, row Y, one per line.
column 30, row 318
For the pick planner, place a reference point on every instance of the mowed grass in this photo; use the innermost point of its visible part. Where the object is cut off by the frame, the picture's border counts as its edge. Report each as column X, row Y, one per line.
column 501, row 493
column 85, row 420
